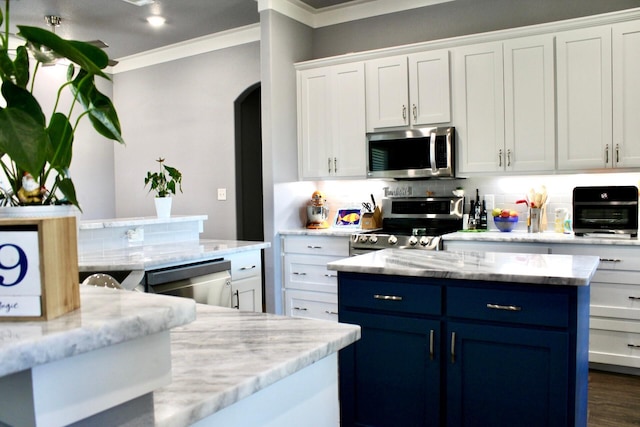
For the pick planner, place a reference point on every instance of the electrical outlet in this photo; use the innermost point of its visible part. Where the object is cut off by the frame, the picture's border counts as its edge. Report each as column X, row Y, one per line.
column 222, row 194
column 490, row 202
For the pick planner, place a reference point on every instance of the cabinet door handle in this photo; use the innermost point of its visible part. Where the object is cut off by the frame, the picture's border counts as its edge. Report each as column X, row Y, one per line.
column 500, row 157
column 606, row 154
column 300, row 308
column 387, row 297
column 313, row 247
column 331, row 312
column 431, row 349
column 299, row 274
column 237, row 294
column 610, row 260
column 404, row 113
column 415, row 113
column 329, row 164
column 330, row 275
column 247, row 268
column 634, row 298
column 453, row 347
column 509, row 157
column 633, row 345
column 617, row 153
column 504, row 307
column 335, row 165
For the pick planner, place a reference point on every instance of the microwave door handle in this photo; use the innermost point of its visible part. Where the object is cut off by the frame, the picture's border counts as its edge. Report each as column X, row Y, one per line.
column 432, row 150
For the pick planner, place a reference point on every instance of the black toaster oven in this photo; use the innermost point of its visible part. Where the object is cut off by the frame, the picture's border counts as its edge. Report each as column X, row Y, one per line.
column 606, row 210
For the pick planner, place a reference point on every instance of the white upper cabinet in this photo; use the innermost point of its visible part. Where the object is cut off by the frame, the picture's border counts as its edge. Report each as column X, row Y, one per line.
column 478, row 100
column 408, row 90
column 584, row 98
column 331, row 122
column 529, row 94
column 504, row 105
column 625, row 150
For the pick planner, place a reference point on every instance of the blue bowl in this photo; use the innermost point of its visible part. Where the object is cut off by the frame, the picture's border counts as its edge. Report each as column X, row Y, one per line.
column 505, row 224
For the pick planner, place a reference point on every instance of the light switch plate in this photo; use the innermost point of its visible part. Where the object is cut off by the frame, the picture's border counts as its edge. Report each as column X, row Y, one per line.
column 222, row 194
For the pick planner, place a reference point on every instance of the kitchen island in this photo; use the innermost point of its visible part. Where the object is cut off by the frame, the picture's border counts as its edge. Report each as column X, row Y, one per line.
column 465, row 338
column 226, row 367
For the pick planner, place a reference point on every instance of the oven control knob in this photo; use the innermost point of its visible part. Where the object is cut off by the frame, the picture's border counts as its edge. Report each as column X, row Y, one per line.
column 413, row 240
column 373, row 239
column 393, row 240
column 363, row 239
column 424, row 241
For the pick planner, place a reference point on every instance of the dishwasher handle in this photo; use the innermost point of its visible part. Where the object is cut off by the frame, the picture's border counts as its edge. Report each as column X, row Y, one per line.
column 188, row 271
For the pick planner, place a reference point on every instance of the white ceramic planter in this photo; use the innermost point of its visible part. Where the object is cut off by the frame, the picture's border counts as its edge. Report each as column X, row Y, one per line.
column 163, row 207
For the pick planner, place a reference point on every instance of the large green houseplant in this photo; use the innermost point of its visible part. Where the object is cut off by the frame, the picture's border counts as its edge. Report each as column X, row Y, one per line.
column 36, row 149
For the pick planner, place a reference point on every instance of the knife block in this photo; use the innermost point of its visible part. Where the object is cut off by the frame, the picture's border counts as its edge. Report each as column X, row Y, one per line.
column 372, row 220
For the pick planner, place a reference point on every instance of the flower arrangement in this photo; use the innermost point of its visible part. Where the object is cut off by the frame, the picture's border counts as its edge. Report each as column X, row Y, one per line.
column 166, row 181
column 35, row 149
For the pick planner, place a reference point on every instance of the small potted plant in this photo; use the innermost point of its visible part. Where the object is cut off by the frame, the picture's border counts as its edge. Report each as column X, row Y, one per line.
column 165, row 182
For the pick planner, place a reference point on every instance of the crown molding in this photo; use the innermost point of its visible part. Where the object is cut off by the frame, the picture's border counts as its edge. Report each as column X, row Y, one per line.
column 197, row 46
column 338, row 14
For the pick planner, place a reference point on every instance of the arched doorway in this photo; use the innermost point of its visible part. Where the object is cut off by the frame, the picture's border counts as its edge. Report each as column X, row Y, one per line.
column 248, row 153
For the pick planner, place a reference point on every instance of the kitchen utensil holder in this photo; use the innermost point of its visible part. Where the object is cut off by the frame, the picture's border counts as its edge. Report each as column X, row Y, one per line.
column 533, row 223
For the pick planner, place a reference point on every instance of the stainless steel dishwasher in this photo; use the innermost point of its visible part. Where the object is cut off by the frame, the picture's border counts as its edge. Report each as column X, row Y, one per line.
column 207, row 282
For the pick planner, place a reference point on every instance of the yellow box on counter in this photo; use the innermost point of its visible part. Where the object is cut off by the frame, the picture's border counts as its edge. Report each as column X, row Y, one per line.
column 372, row 220
column 38, row 268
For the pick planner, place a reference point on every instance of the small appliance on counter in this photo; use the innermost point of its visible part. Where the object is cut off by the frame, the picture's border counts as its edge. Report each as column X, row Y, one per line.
column 609, row 211
column 317, row 211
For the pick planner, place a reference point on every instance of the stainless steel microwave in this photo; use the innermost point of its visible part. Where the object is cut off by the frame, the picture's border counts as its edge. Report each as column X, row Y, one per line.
column 413, row 153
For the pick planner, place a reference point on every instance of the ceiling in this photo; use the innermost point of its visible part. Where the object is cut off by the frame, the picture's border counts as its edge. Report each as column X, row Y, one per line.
column 123, row 25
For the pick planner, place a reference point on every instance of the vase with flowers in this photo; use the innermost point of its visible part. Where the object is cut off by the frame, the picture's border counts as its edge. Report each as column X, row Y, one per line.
column 164, row 182
column 36, row 148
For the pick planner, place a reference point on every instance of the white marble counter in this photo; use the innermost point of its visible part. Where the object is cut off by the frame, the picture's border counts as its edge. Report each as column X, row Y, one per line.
column 137, row 221
column 227, row 355
column 163, row 255
column 484, row 266
column 546, row 237
column 333, row 231
column 105, row 318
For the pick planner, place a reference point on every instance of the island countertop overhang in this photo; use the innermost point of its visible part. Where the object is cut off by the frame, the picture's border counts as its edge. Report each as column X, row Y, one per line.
column 541, row 269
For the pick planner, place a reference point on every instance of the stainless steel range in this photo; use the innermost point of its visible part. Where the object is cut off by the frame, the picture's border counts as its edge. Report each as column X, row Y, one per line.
column 411, row 223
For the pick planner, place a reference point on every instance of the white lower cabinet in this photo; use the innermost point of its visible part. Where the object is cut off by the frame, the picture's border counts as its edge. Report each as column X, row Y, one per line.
column 614, row 328
column 614, row 324
column 309, row 289
column 246, row 280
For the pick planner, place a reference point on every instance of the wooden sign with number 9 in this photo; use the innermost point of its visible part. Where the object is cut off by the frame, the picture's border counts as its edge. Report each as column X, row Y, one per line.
column 38, row 268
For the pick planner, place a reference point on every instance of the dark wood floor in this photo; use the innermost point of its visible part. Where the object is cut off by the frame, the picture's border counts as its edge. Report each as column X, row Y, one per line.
column 614, row 400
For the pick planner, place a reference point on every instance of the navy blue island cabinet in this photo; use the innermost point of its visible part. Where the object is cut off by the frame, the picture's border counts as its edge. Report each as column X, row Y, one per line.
column 445, row 352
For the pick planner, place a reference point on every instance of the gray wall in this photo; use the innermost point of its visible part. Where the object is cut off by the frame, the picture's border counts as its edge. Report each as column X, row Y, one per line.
column 183, row 111
column 283, row 42
column 460, row 17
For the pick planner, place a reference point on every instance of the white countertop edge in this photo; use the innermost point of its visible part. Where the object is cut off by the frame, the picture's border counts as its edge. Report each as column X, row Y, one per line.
column 333, row 231
column 106, row 317
column 136, row 221
column 544, row 237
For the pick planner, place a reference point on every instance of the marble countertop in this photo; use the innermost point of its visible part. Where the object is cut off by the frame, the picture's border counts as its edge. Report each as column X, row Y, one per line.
column 545, row 237
column 136, row 221
column 227, row 355
column 106, row 317
column 149, row 257
column 569, row 270
column 332, row 231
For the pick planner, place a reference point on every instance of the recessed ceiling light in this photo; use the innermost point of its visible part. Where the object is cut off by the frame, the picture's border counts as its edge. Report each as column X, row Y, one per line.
column 156, row 21
column 140, row 2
